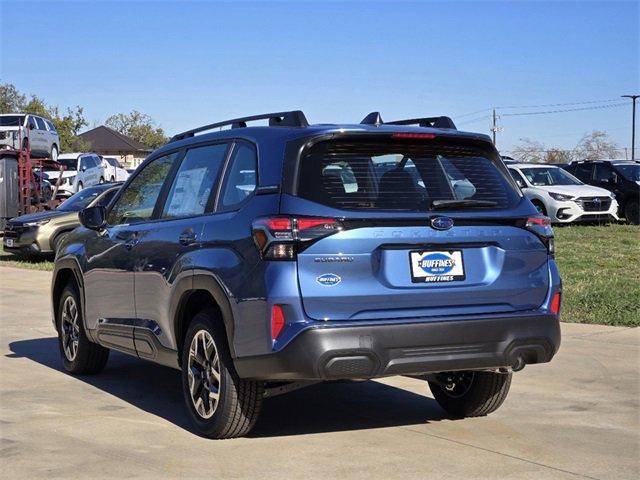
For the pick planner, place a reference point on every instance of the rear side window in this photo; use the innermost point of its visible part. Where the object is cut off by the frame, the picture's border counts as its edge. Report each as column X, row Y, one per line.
column 40, row 123
column 583, row 171
column 242, row 177
column 401, row 175
column 195, row 181
column 51, row 126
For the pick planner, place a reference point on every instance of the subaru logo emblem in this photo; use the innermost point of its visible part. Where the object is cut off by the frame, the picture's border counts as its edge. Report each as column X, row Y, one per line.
column 442, row 223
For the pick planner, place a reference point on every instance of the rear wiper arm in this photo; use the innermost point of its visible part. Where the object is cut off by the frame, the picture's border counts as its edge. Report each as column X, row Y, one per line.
column 454, row 204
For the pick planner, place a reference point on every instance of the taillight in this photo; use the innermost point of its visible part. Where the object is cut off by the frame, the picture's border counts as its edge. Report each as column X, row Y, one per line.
column 541, row 226
column 555, row 303
column 279, row 238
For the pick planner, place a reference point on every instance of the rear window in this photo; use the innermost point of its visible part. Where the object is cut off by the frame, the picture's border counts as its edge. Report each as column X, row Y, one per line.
column 401, row 176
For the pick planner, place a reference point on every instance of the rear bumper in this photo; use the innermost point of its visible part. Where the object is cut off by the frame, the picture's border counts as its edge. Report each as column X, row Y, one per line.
column 368, row 351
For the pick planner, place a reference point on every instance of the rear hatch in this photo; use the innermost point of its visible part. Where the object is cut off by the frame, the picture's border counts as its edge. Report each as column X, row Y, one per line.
column 415, row 227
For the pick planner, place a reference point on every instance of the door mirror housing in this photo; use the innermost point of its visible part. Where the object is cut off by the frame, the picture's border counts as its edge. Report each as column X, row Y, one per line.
column 93, row 218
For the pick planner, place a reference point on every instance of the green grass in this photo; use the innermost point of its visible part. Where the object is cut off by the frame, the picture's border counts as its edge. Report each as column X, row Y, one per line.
column 8, row 259
column 600, row 268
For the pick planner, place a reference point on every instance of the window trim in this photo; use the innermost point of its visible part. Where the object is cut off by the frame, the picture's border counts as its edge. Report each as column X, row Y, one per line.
column 224, row 178
column 212, row 194
column 180, row 155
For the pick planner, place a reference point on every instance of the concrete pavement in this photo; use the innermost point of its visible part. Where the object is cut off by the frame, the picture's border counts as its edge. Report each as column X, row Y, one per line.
column 577, row 417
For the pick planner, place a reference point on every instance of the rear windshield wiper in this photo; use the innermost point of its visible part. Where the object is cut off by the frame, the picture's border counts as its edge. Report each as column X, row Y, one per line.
column 457, row 204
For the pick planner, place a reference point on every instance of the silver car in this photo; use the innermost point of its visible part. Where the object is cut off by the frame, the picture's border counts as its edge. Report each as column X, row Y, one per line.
column 19, row 130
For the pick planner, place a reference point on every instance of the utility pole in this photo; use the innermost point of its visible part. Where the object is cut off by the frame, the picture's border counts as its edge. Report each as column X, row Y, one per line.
column 633, row 125
column 494, row 127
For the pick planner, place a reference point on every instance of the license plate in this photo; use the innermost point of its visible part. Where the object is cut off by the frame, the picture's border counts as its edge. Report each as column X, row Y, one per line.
column 8, row 242
column 436, row 266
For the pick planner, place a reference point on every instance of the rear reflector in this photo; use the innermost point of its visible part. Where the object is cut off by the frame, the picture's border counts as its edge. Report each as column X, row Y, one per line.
column 414, row 135
column 277, row 321
column 555, row 303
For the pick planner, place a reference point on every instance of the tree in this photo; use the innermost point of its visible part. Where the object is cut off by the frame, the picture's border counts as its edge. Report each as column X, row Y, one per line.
column 67, row 125
column 529, row 151
column 11, row 100
column 138, row 126
column 596, row 145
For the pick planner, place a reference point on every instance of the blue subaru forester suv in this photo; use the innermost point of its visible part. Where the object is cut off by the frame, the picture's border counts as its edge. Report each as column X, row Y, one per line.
column 259, row 259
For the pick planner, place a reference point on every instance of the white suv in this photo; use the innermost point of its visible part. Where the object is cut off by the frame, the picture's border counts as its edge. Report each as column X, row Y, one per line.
column 113, row 171
column 18, row 130
column 81, row 170
column 561, row 196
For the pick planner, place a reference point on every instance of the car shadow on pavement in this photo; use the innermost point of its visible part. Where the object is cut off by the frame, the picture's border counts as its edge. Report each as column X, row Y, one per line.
column 324, row 407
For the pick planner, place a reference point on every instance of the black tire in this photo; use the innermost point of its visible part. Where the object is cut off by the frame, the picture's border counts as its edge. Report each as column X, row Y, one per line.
column 631, row 212
column 87, row 357
column 112, row 179
column 80, row 186
column 57, row 241
column 239, row 401
column 101, row 181
column 540, row 207
column 480, row 394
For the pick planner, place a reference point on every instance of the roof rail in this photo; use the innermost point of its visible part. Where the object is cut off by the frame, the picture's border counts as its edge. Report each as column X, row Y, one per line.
column 433, row 122
column 293, row 118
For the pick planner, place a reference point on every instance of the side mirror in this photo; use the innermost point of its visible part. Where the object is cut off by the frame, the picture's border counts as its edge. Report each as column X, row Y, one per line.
column 83, row 168
column 93, row 218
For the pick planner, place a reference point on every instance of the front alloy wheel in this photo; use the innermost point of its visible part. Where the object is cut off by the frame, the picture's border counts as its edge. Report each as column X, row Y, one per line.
column 79, row 354
column 70, row 328
column 204, row 374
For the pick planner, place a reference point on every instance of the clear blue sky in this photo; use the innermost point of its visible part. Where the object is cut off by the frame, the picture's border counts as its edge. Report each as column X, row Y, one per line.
column 189, row 63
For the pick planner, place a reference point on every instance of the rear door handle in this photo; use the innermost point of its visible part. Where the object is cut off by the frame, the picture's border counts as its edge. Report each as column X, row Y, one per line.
column 187, row 237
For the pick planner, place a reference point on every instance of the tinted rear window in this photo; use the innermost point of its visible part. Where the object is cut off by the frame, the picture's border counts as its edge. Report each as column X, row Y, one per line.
column 399, row 176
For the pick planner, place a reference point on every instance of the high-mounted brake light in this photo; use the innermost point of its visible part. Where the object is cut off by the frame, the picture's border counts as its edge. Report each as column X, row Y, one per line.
column 277, row 321
column 278, row 238
column 555, row 303
column 414, row 135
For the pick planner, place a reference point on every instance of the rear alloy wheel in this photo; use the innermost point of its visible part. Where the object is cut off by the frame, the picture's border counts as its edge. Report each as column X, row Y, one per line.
column 79, row 354
column 470, row 394
column 80, row 186
column 221, row 404
column 54, row 153
column 631, row 212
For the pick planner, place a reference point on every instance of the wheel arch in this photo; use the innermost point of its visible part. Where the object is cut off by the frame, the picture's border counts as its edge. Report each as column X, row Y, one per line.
column 205, row 293
column 65, row 270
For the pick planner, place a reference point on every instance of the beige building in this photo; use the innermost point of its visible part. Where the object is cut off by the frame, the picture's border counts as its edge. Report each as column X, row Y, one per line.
column 107, row 142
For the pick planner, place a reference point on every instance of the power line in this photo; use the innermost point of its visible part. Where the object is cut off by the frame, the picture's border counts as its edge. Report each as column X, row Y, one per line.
column 561, row 104
column 547, row 112
column 473, row 120
column 473, row 113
